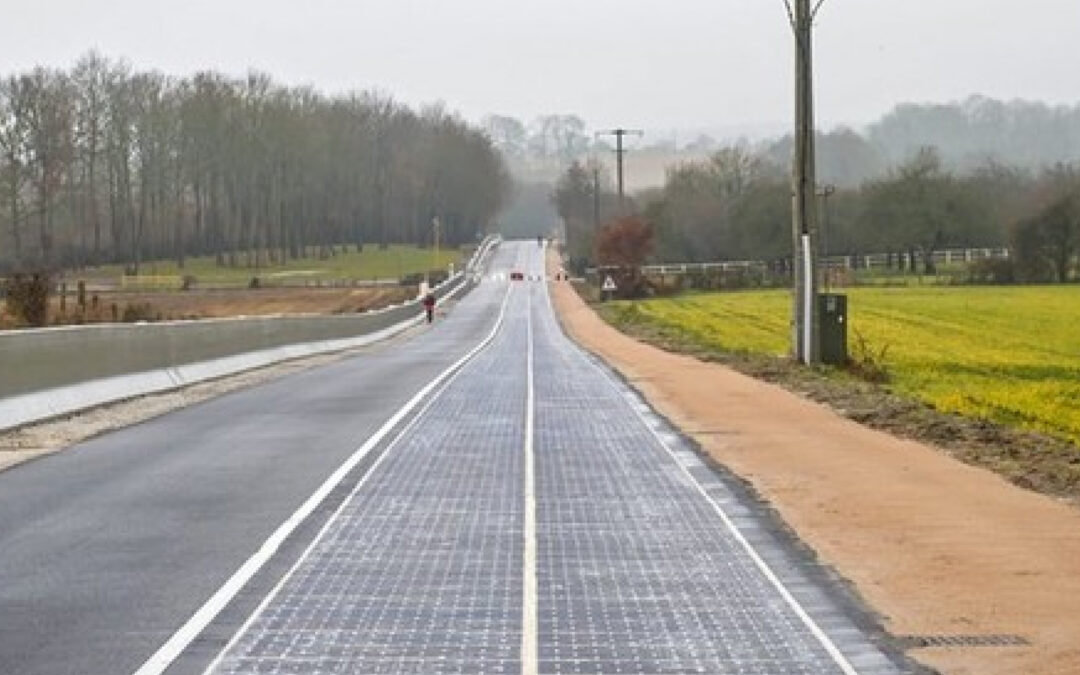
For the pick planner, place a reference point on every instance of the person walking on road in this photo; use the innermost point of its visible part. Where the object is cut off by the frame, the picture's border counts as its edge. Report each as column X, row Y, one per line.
column 429, row 306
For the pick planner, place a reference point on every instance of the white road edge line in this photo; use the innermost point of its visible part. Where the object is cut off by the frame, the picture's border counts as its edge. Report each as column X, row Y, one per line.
column 529, row 610
column 323, row 530
column 174, row 646
column 763, row 566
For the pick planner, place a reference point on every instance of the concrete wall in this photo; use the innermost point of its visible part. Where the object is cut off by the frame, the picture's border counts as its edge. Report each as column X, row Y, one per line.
column 42, row 359
column 53, row 371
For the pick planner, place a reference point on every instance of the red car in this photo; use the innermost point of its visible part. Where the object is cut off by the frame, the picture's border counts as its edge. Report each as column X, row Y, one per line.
column 517, row 276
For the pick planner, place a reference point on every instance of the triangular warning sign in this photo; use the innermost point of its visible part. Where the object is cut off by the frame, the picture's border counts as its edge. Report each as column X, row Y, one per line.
column 609, row 284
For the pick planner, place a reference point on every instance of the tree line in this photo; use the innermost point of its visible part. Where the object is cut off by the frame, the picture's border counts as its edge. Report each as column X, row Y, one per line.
column 101, row 163
column 967, row 136
column 736, row 205
column 1028, row 134
column 551, row 136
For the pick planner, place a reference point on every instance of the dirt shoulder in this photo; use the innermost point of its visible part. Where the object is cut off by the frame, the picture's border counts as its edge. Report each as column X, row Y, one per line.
column 935, row 546
column 208, row 304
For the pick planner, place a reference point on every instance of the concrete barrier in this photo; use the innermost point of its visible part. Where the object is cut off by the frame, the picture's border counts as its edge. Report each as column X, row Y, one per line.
column 55, row 371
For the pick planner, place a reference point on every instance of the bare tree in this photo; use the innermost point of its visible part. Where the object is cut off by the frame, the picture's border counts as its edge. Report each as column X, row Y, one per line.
column 240, row 168
column 88, row 79
column 14, row 144
column 49, row 126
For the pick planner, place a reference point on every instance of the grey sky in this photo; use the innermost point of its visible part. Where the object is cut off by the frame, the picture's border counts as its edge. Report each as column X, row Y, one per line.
column 683, row 64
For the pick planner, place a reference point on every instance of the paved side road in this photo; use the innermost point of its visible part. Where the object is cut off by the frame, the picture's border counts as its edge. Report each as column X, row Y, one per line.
column 536, row 517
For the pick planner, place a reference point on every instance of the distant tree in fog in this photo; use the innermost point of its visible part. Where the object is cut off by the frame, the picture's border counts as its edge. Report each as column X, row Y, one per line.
column 1025, row 133
column 561, row 136
column 507, row 134
column 1047, row 240
column 702, row 143
column 844, row 157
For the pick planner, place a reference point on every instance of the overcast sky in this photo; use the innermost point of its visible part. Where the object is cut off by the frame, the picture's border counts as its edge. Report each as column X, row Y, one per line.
column 659, row 65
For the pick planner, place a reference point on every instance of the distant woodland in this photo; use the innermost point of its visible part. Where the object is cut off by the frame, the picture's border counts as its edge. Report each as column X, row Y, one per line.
column 103, row 163
column 981, row 173
column 968, row 136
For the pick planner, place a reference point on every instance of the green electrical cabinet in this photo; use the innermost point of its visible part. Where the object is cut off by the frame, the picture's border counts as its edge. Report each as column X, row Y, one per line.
column 832, row 318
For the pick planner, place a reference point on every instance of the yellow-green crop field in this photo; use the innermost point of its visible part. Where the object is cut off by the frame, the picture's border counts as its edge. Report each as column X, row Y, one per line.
column 1007, row 354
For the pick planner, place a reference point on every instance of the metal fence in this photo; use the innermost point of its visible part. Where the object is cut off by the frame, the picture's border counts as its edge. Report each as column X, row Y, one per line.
column 912, row 259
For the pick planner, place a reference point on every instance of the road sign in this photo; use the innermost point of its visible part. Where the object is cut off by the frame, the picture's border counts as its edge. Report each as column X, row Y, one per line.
column 609, row 284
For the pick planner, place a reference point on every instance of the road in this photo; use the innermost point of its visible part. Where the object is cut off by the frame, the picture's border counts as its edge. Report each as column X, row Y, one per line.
column 527, row 513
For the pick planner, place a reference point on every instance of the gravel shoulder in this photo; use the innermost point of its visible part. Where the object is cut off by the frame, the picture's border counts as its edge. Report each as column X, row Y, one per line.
column 935, row 546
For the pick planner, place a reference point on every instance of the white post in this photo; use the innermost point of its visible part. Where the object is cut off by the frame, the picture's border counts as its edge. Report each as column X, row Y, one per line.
column 808, row 300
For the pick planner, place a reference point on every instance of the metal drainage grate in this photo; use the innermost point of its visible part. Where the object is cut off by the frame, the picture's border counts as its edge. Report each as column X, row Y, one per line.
column 917, row 641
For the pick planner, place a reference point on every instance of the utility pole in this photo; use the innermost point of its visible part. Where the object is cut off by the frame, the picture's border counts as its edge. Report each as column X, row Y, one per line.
column 596, row 195
column 436, row 226
column 823, row 241
column 805, row 327
column 619, row 152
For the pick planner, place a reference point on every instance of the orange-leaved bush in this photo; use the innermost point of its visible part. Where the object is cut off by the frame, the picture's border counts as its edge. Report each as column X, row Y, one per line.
column 622, row 246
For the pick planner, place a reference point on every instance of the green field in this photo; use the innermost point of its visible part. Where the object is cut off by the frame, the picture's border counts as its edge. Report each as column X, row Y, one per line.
column 394, row 262
column 1007, row 354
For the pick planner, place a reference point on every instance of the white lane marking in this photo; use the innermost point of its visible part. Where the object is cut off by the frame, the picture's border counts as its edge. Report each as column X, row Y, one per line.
column 826, row 642
column 202, row 617
column 324, row 529
column 529, row 610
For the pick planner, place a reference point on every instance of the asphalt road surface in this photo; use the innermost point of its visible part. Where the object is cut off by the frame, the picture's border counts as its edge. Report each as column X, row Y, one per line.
column 489, row 499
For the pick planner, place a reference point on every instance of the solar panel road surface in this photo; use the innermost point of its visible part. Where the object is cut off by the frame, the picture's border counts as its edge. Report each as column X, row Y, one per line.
column 525, row 513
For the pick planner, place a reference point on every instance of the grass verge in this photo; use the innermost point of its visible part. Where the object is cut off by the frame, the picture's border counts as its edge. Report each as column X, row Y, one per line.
column 1037, row 460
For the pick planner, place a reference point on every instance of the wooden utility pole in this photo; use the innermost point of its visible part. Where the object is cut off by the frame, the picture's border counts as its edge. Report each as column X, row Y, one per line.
column 436, row 226
column 619, row 152
column 805, row 328
column 596, row 195
column 825, row 192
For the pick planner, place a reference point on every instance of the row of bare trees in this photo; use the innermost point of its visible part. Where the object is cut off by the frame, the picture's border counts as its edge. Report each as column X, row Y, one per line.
column 105, row 164
column 549, row 136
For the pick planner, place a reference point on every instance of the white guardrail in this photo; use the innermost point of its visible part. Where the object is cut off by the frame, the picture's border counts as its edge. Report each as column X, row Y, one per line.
column 869, row 262
column 50, row 372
